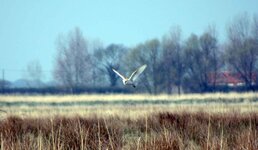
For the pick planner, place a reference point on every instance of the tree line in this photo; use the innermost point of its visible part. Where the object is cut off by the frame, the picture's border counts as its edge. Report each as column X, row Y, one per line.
column 174, row 64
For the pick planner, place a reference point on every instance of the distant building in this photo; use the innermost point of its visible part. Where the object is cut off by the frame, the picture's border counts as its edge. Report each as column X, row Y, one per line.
column 227, row 78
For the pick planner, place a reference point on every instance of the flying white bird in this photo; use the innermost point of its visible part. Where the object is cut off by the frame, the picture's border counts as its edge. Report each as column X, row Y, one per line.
column 133, row 77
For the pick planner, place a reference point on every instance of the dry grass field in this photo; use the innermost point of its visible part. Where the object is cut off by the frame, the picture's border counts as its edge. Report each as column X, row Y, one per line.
column 132, row 106
column 194, row 121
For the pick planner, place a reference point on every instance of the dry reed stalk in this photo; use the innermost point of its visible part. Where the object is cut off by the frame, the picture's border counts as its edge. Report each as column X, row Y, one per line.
column 86, row 138
column 165, row 134
column 2, row 142
column 109, row 136
column 146, row 131
column 138, row 143
column 99, row 135
column 81, row 134
column 221, row 138
column 250, row 130
column 53, row 134
column 59, row 135
column 208, row 136
column 39, row 141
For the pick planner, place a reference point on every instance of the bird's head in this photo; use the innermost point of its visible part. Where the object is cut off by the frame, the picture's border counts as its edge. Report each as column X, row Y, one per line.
column 125, row 81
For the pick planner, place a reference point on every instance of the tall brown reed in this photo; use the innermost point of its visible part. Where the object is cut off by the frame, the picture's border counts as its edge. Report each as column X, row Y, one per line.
column 158, row 131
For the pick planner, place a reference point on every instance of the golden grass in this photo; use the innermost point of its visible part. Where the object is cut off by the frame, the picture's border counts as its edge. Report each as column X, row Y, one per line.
column 119, row 97
column 249, row 103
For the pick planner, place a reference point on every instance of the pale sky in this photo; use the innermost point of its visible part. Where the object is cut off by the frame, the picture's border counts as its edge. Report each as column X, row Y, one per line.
column 29, row 28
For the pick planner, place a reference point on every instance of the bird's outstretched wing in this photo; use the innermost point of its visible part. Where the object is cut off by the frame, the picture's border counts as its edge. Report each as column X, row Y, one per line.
column 137, row 72
column 119, row 74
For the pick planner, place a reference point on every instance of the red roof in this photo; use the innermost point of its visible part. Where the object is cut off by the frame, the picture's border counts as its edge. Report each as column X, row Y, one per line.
column 228, row 78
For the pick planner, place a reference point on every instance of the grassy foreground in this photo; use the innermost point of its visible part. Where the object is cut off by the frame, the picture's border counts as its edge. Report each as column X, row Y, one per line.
column 196, row 121
column 166, row 131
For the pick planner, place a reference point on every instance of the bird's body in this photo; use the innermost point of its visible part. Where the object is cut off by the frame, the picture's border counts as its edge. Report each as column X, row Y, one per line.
column 133, row 77
column 126, row 81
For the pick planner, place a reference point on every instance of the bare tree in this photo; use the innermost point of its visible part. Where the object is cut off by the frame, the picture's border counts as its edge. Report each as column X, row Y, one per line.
column 147, row 53
column 255, row 36
column 34, row 73
column 98, row 77
column 172, row 61
column 241, row 52
column 108, row 58
column 212, row 61
column 73, row 64
column 255, row 27
column 202, row 59
column 192, row 80
column 154, row 48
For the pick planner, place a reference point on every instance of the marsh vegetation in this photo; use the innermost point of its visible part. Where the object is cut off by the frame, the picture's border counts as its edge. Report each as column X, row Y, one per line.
column 120, row 121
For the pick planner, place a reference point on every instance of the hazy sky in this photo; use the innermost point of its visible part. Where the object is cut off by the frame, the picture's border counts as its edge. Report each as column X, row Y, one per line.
column 29, row 28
